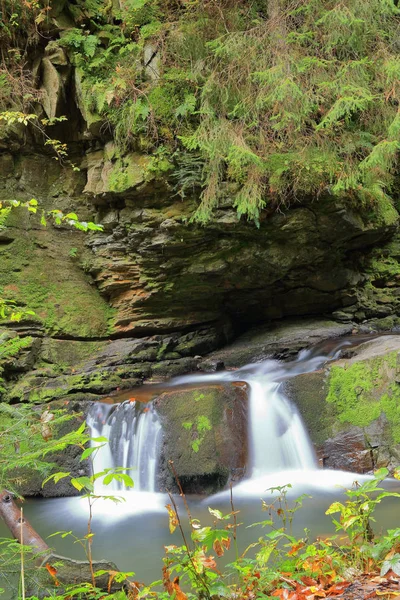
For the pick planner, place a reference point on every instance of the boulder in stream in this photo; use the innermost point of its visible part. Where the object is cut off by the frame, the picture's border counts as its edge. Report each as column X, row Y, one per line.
column 205, row 435
column 352, row 407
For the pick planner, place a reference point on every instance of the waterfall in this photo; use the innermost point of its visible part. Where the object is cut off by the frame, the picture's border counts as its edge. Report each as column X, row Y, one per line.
column 278, row 439
column 133, row 433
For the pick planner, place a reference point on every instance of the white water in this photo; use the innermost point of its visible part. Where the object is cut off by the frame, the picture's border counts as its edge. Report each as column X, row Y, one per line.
column 133, row 433
column 278, row 439
column 132, row 533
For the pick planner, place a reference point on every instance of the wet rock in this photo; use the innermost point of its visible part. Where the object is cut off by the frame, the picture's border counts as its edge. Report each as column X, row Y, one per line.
column 347, row 451
column 70, row 572
column 205, row 436
column 61, row 369
column 278, row 340
column 211, row 365
column 351, row 407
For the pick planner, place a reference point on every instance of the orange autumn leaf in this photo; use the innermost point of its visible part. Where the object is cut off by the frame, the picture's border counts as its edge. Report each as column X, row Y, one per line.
column 295, row 548
column 173, row 587
column 308, row 580
column 285, row 594
column 221, row 546
column 53, row 572
column 338, row 588
column 207, row 561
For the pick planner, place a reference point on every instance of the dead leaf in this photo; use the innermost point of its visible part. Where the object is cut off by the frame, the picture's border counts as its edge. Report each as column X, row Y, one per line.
column 172, row 587
column 53, row 572
column 207, row 561
column 338, row 588
column 45, row 419
column 308, row 581
column 295, row 548
column 221, row 546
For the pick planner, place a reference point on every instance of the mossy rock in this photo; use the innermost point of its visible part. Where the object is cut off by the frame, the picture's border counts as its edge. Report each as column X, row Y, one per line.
column 38, row 272
column 205, row 436
column 44, row 385
column 352, row 408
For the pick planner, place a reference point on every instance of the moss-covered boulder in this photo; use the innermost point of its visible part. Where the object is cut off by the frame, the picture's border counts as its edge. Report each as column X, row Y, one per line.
column 205, row 436
column 352, row 407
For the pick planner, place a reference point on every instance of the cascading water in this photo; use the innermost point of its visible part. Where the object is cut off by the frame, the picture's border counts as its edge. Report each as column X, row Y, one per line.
column 133, row 433
column 281, row 454
column 278, row 440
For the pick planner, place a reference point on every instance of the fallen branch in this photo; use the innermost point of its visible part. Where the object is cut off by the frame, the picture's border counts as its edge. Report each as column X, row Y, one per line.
column 68, row 571
column 20, row 528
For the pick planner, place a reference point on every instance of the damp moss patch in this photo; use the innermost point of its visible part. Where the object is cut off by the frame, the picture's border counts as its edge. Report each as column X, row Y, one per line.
column 37, row 271
column 361, row 391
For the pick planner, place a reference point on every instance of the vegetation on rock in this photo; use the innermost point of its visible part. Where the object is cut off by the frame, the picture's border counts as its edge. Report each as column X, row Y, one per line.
column 282, row 100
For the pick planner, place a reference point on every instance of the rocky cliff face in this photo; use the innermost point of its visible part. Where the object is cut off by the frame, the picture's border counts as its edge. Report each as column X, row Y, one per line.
column 153, row 293
column 152, row 270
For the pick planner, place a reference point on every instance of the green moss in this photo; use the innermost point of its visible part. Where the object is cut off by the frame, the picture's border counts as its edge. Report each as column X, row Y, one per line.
column 390, row 404
column 384, row 213
column 12, row 347
column 66, row 353
column 193, row 406
column 360, row 392
column 128, row 172
column 37, row 272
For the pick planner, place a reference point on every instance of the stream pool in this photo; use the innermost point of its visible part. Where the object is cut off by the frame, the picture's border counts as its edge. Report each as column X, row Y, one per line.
column 133, row 533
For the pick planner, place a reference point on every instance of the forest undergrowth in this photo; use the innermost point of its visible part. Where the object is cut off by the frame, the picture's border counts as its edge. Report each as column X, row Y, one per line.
column 352, row 563
column 252, row 103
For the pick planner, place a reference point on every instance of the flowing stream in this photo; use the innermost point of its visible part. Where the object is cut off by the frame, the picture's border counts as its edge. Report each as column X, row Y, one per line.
column 278, row 440
column 132, row 534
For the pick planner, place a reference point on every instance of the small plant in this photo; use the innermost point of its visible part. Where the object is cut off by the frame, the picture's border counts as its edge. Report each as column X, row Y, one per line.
column 356, row 516
column 86, row 485
column 198, row 429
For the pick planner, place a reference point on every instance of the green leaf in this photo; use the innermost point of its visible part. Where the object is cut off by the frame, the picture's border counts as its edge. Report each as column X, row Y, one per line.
column 127, row 480
column 89, row 451
column 391, row 564
column 56, row 477
column 81, row 483
column 334, row 508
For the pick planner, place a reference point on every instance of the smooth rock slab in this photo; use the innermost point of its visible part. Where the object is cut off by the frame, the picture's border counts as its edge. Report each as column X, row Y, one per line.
column 278, row 340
